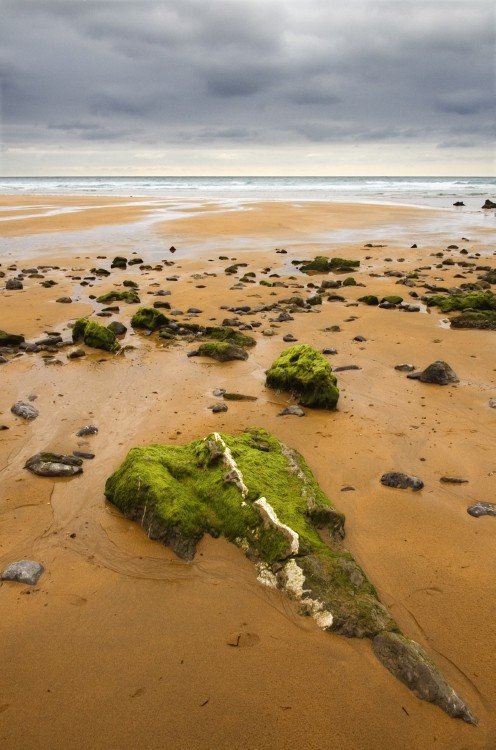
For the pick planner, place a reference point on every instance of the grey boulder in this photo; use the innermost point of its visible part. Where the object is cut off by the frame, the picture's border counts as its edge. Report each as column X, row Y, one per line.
column 439, row 373
column 23, row 571
column 54, row 465
column 26, row 411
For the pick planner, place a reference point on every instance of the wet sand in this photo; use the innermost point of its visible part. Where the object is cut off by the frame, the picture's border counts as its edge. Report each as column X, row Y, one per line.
column 122, row 645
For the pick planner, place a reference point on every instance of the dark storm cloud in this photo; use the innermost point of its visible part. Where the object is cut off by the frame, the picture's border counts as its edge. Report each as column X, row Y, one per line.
column 231, row 71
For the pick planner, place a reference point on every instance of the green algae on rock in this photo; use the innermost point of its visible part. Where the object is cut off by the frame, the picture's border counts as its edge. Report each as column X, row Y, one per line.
column 464, row 301
column 149, row 318
column 369, row 299
column 392, row 299
column 306, row 373
column 481, row 319
column 225, row 333
column 261, row 495
column 94, row 335
column 222, row 351
column 131, row 297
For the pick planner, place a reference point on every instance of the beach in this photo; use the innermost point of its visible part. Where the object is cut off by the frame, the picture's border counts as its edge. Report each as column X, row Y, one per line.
column 121, row 644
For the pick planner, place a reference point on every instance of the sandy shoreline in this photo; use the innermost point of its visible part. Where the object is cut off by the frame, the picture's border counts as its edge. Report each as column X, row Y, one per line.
column 122, row 645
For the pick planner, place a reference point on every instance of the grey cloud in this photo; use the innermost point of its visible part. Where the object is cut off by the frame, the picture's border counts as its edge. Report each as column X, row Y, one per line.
column 190, row 71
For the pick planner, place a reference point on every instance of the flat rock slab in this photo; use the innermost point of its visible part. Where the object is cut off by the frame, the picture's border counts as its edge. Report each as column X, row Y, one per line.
column 23, row 571
column 401, row 481
column 26, row 411
column 54, row 465
column 482, row 509
column 408, row 662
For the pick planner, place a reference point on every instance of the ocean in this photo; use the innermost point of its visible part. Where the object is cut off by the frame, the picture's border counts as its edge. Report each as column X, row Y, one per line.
column 439, row 192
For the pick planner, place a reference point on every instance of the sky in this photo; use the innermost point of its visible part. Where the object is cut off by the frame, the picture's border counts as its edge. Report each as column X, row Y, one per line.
column 247, row 87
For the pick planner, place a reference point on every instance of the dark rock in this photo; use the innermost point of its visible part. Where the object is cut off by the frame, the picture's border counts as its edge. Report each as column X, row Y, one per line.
column 54, row 465
column 26, row 411
column 482, row 509
column 89, row 429
column 438, row 373
column 76, row 354
column 489, row 204
column 289, row 338
column 119, row 262
column 83, row 454
column 401, row 481
column 221, row 351
column 218, row 408
column 12, row 284
column 238, row 397
column 118, row 328
column 408, row 662
column 294, row 411
column 329, row 350
column 359, row 338
column 453, row 480
column 64, row 300
column 458, row 203
column 343, row 368
column 23, row 571
column 10, row 339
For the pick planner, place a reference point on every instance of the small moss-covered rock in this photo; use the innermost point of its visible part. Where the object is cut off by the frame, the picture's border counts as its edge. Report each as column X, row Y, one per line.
column 349, row 281
column 149, row 318
column 131, row 297
column 225, row 333
column 469, row 301
column 392, row 299
column 95, row 335
column 320, row 264
column 342, row 265
column 482, row 319
column 130, row 283
column 119, row 262
column 222, row 351
column 306, row 373
column 10, row 339
column 369, row 299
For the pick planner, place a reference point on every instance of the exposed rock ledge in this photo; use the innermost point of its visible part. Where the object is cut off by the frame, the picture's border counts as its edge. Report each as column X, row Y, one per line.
column 262, row 496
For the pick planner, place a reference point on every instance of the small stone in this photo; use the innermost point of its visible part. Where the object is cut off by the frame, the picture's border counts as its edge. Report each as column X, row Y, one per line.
column 329, row 350
column 343, row 368
column 89, row 429
column 347, row 488
column 23, row 571
column 64, row 300
column 401, row 481
column 76, row 354
column 26, row 411
column 289, row 338
column 404, row 368
column 492, row 403
column 218, row 392
column 83, row 454
column 294, row 411
column 360, row 338
column 482, row 509
column 453, row 480
column 217, row 408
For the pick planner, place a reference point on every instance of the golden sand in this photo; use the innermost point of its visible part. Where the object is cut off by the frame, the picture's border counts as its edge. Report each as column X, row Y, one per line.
column 122, row 645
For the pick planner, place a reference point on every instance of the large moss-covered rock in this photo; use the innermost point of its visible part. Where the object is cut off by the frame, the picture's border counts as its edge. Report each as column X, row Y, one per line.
column 149, row 318
column 261, row 495
column 464, row 301
column 321, row 264
column 306, row 373
column 95, row 335
column 222, row 351
column 482, row 319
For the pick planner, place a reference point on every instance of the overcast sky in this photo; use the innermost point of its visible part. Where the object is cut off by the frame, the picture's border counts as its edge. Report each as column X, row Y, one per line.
column 247, row 87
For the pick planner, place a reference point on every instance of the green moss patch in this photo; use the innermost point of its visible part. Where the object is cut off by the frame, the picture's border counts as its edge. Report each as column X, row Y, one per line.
column 393, row 299
column 222, row 351
column 369, row 299
column 95, row 335
column 306, row 373
column 131, row 297
column 467, row 301
column 149, row 318
column 225, row 333
column 482, row 319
